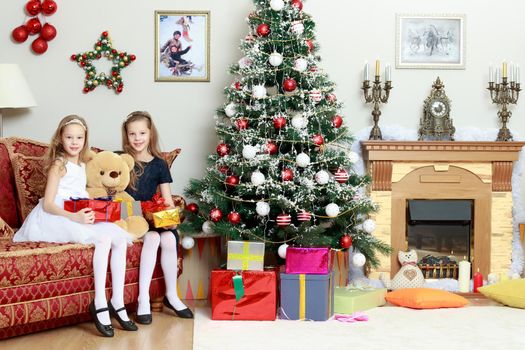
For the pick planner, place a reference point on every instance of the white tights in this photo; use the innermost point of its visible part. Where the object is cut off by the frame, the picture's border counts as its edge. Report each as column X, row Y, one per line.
column 118, row 246
column 168, row 261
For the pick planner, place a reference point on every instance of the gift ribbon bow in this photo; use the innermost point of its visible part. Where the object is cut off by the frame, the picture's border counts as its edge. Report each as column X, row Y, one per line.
column 355, row 317
column 245, row 256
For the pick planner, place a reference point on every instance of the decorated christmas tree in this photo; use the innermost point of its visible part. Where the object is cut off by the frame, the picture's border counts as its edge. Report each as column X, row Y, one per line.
column 282, row 173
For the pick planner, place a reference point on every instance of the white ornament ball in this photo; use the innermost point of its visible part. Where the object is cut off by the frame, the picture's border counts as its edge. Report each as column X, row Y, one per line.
column 249, row 152
column 322, row 177
column 257, row 178
column 282, row 250
column 369, row 225
column 259, row 91
column 359, row 260
column 300, row 65
column 207, row 227
column 302, row 160
column 299, row 122
column 277, row 5
column 353, row 157
column 187, row 242
column 245, row 62
column 262, row 208
column 332, row 210
column 230, row 110
column 275, row 59
column 297, row 28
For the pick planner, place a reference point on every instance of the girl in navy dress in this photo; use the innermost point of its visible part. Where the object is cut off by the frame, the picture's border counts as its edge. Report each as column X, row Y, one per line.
column 140, row 139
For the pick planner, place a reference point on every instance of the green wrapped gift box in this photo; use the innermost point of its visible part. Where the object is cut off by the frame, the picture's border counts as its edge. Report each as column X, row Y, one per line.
column 348, row 301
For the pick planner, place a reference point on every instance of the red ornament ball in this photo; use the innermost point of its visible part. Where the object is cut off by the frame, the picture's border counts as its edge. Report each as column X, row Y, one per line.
column 192, row 208
column 279, row 122
column 105, row 34
column 331, row 98
column 223, row 149
column 34, row 26
column 345, row 241
column 132, row 57
column 283, row 220
column 298, row 4
column 48, row 32
column 263, row 29
column 242, row 124
column 215, row 215
column 318, row 139
column 232, row 180
column 119, row 89
column 20, row 34
column 287, row 174
column 49, row 7
column 271, row 148
column 39, row 46
column 234, row 218
column 85, row 90
column 310, row 45
column 224, row 169
column 341, row 176
column 33, row 8
column 337, row 121
column 237, row 85
column 303, row 215
column 289, row 84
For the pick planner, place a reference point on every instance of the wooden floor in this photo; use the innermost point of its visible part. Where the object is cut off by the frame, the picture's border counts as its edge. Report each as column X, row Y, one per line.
column 166, row 332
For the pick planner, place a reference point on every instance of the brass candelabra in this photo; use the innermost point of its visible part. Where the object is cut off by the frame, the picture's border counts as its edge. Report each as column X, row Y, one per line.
column 378, row 95
column 504, row 93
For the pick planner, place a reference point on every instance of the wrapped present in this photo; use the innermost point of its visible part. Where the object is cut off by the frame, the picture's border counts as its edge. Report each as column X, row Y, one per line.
column 105, row 209
column 165, row 218
column 243, row 295
column 245, row 255
column 129, row 208
column 341, row 268
column 307, row 297
column 309, row 260
column 348, row 301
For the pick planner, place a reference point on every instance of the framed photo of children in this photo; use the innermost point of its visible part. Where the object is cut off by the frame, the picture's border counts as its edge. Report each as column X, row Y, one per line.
column 182, row 46
column 430, row 41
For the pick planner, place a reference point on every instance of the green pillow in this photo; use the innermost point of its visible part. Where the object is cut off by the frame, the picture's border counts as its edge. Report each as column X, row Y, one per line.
column 510, row 292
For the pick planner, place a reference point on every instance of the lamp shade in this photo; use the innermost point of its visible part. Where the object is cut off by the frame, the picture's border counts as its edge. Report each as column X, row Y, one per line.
column 14, row 91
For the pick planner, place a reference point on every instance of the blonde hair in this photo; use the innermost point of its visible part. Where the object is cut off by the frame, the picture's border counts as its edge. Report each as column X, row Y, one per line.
column 153, row 145
column 56, row 148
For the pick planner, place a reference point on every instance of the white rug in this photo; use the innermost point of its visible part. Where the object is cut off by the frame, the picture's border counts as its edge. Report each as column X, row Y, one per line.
column 480, row 327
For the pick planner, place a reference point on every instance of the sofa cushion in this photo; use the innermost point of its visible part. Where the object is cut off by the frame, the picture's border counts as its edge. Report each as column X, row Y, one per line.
column 5, row 230
column 8, row 210
column 30, row 179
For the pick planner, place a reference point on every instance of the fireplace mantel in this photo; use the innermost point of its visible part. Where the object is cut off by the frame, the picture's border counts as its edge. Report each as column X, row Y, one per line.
column 480, row 171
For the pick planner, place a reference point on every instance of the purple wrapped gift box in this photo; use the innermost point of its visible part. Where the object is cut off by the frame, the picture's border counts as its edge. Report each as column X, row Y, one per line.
column 307, row 297
column 309, row 260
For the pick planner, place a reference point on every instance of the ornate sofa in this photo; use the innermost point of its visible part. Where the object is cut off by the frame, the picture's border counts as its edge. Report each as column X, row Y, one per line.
column 45, row 285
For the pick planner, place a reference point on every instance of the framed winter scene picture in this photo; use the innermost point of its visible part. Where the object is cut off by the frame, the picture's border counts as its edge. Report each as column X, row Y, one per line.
column 182, row 46
column 430, row 41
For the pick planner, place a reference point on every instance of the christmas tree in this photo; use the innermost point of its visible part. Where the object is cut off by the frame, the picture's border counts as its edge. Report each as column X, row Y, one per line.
column 282, row 173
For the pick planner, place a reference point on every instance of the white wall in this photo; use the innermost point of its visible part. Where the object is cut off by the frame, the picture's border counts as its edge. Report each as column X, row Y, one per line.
column 349, row 33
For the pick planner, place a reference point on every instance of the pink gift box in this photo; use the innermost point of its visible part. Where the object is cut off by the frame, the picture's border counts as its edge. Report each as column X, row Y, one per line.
column 309, row 260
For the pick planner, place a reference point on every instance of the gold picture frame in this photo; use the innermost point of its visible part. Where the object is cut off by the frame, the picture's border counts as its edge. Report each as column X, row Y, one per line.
column 182, row 46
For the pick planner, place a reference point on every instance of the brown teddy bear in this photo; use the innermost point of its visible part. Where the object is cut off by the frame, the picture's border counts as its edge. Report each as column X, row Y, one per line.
column 108, row 174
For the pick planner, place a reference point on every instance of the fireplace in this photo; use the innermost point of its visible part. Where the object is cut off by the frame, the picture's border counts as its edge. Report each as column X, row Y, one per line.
column 474, row 176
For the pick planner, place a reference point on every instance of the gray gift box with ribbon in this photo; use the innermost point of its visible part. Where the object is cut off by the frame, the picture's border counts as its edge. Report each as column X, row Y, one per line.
column 130, row 208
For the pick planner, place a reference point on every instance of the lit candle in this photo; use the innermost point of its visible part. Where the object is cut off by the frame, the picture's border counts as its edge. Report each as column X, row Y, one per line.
column 378, row 66
column 491, row 74
column 504, row 73
column 464, row 276
column 366, row 71
column 497, row 75
column 478, row 281
column 511, row 71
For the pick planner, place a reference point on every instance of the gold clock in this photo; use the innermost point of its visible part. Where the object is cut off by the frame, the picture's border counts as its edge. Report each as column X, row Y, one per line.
column 436, row 123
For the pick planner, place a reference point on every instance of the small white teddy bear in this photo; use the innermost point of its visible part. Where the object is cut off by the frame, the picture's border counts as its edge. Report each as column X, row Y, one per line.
column 409, row 276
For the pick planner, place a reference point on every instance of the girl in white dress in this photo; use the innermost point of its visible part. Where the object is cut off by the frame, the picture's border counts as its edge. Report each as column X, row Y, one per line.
column 49, row 222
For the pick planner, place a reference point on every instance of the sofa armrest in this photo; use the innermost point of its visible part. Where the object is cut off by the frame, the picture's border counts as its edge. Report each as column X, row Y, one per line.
column 5, row 230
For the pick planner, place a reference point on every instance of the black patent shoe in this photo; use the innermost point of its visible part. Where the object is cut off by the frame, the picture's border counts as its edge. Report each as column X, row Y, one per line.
column 105, row 329
column 127, row 325
column 144, row 319
column 184, row 313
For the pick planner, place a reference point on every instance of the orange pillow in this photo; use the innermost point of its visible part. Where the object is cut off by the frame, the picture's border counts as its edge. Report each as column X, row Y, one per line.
column 425, row 298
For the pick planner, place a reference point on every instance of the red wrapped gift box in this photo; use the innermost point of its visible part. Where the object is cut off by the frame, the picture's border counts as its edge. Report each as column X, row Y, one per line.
column 258, row 303
column 105, row 209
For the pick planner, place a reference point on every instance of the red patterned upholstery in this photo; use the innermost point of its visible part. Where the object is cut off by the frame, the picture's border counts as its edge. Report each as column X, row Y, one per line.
column 8, row 210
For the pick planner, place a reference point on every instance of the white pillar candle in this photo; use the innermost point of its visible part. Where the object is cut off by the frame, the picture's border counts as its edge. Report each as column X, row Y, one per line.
column 497, row 75
column 464, row 276
column 491, row 74
column 517, row 74
column 366, row 77
column 511, row 72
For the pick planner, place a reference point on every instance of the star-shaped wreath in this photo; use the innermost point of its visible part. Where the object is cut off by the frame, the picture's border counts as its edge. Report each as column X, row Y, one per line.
column 104, row 48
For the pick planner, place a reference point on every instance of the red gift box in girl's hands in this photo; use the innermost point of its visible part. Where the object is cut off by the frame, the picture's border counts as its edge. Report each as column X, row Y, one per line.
column 105, row 209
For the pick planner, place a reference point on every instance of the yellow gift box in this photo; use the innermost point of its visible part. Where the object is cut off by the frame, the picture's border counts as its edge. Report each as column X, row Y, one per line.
column 165, row 218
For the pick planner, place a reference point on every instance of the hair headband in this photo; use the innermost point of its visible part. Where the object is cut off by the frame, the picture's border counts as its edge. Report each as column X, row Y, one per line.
column 138, row 113
column 76, row 121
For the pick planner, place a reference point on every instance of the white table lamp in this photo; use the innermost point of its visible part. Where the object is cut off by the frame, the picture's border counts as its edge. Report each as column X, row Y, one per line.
column 14, row 91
